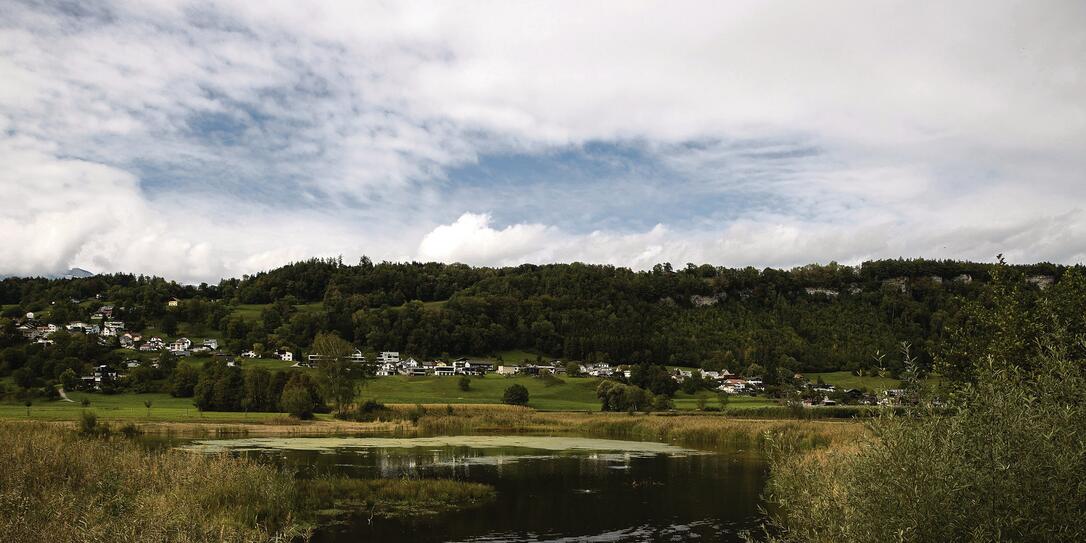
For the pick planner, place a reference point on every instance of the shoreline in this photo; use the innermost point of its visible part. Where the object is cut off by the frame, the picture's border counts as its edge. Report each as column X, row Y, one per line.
column 707, row 431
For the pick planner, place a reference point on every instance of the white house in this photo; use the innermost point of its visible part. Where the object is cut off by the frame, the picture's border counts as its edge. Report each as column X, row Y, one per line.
column 249, row 354
column 508, row 369
column 388, row 357
column 286, row 356
column 76, row 326
column 734, row 386
column 181, row 344
column 211, row 343
column 154, row 344
column 598, row 370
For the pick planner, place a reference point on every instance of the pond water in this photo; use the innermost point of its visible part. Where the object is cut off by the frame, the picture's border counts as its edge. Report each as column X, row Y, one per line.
column 550, row 489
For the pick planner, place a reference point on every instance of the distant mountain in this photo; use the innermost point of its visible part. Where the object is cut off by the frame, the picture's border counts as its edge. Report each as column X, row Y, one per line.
column 75, row 273
column 71, row 273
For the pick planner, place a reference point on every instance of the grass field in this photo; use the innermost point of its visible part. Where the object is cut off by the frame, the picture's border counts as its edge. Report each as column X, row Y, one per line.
column 577, row 393
column 252, row 311
column 126, row 407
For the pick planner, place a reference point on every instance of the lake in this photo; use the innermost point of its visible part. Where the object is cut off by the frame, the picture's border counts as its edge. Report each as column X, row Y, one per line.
column 550, row 489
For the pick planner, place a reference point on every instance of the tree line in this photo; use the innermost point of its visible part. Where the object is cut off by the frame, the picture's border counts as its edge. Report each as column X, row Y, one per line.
column 811, row 318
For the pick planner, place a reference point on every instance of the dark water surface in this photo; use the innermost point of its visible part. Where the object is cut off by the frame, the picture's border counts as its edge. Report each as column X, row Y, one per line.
column 599, row 491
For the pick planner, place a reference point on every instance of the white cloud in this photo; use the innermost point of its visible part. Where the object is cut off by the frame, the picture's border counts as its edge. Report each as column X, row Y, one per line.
column 199, row 140
column 472, row 239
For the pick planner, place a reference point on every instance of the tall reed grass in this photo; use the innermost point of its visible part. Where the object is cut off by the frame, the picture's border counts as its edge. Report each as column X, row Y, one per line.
column 57, row 485
column 713, row 432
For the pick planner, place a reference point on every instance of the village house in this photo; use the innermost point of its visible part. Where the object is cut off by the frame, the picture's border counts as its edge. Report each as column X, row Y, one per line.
column 113, row 328
column 734, row 386
column 102, row 375
column 153, row 344
column 463, row 366
column 180, row 345
column 128, row 341
column 598, row 370
column 285, row 355
column 508, row 369
column 408, row 366
column 420, row 368
column 173, row 302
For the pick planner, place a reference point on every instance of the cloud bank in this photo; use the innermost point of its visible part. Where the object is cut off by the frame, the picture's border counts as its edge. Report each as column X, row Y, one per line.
column 200, row 140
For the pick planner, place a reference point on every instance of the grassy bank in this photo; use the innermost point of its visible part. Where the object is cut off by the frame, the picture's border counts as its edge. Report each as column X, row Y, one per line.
column 565, row 394
column 701, row 431
column 60, row 486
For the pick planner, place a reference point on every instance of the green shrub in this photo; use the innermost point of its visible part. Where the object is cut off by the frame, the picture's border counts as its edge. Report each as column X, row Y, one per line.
column 298, row 403
column 89, row 425
column 515, row 395
column 1006, row 463
column 1004, row 460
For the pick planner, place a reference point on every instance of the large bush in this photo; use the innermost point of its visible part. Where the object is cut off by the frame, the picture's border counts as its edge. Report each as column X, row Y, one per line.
column 1004, row 460
column 515, row 395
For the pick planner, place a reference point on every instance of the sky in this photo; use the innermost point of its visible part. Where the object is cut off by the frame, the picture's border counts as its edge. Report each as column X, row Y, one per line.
column 201, row 140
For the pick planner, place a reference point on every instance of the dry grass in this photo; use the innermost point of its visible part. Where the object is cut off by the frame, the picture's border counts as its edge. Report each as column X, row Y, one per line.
column 694, row 431
column 57, row 486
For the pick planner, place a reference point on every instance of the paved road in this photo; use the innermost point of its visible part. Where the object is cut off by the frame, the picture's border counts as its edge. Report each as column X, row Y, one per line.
column 64, row 396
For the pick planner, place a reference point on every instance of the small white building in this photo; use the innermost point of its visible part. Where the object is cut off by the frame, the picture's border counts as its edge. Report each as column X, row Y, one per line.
column 286, row 356
column 181, row 344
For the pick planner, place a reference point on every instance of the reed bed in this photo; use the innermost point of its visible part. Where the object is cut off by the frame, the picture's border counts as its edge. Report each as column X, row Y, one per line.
column 713, row 432
column 57, row 485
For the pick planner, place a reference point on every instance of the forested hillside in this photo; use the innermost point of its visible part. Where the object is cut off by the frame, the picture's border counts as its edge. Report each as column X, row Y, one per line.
column 813, row 318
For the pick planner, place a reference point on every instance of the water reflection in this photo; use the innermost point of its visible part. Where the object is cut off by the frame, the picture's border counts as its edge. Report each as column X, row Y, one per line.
column 612, row 493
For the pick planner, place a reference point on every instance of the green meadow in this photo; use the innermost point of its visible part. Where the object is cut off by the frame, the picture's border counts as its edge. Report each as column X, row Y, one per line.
column 575, row 394
column 572, row 394
column 252, row 311
column 127, row 406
